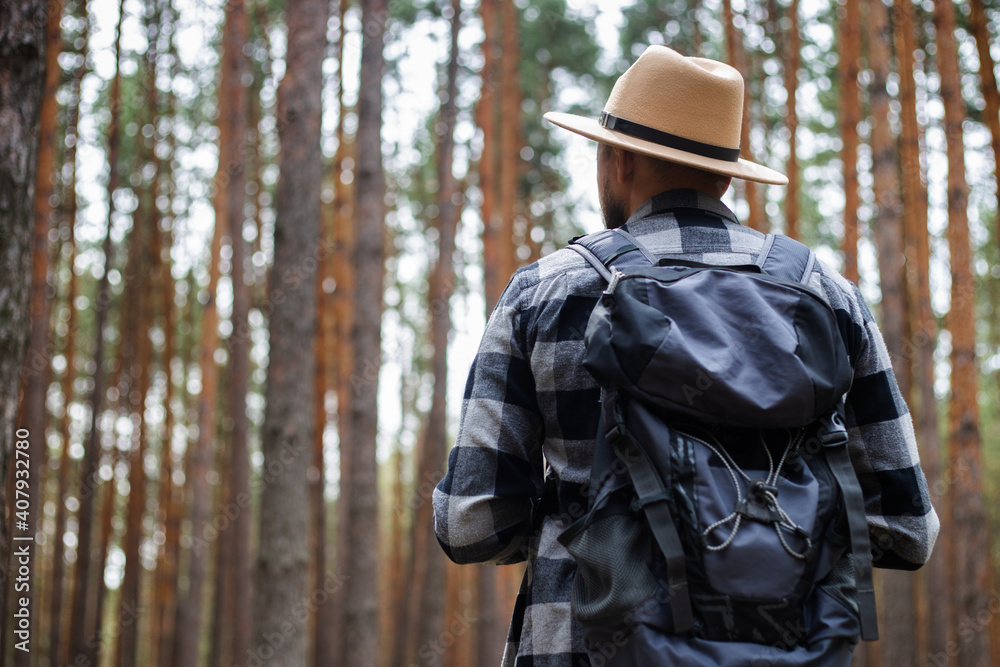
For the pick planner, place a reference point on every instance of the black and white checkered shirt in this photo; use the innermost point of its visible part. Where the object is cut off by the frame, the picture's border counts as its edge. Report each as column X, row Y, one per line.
column 529, row 422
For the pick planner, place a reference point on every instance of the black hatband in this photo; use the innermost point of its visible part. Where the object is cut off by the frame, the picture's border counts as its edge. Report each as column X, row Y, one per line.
column 669, row 140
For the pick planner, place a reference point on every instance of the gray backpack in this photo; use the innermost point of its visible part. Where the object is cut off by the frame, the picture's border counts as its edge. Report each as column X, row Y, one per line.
column 722, row 496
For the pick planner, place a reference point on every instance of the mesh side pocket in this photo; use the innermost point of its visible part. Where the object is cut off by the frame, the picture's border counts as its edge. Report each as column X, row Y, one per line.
column 612, row 576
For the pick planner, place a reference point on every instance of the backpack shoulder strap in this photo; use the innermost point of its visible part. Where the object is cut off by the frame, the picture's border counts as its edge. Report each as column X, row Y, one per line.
column 612, row 247
column 786, row 258
column 833, row 434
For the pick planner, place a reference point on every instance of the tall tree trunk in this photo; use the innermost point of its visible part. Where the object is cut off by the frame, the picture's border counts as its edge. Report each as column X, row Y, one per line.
column 931, row 615
column 486, row 118
column 343, row 300
column 22, row 80
column 235, row 545
column 970, row 544
column 427, row 587
column 188, row 350
column 87, row 587
column 57, row 645
column 326, row 618
column 461, row 603
column 897, row 642
column 129, row 601
column 222, row 594
column 170, row 496
column 37, row 370
column 360, row 566
column 501, row 261
column 792, row 59
column 145, row 235
column 510, row 139
column 96, row 641
column 332, row 643
column 165, row 574
column 978, row 24
column 188, row 623
column 888, row 221
column 737, row 58
column 283, row 560
column 850, row 116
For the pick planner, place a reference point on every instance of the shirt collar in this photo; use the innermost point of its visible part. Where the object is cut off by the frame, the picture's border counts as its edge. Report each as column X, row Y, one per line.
column 672, row 200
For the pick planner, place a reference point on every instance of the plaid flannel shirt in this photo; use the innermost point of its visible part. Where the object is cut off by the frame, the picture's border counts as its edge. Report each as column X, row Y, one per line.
column 530, row 413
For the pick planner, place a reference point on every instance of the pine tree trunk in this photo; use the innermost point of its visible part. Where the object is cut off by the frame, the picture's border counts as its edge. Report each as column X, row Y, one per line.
column 969, row 548
column 170, row 496
column 888, row 221
column 129, row 601
column 331, row 644
column 792, row 121
column 188, row 351
column 896, row 604
column 22, row 78
column 38, row 363
column 145, row 232
column 931, row 617
column 281, row 634
column 222, row 594
column 235, row 542
column 486, row 119
column 361, row 564
column 850, row 116
column 737, row 58
column 510, row 140
column 57, row 647
column 188, row 623
column 166, row 564
column 427, row 588
column 978, row 24
column 345, row 277
column 88, row 587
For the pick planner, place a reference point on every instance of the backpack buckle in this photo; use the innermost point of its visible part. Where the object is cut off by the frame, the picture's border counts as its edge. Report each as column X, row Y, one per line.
column 832, row 430
column 615, row 433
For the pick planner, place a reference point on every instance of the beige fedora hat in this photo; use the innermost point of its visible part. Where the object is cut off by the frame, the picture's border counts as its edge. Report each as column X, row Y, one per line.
column 679, row 109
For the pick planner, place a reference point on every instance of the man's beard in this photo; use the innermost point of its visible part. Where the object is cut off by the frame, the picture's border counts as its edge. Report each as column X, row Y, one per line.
column 612, row 208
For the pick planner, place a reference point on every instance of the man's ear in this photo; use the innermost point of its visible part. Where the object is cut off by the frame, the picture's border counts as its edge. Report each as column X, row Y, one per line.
column 624, row 165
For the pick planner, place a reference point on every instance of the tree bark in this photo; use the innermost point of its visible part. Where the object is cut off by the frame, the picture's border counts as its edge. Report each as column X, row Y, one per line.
column 792, row 59
column 171, row 503
column 896, row 605
column 969, row 548
column 333, row 644
column 236, row 541
column 86, row 587
column 360, row 566
column 931, row 617
column 188, row 622
column 22, row 78
column 57, row 644
column 486, row 118
column 281, row 634
column 850, row 115
column 737, row 58
column 978, row 24
column 38, row 362
column 510, row 140
column 427, row 587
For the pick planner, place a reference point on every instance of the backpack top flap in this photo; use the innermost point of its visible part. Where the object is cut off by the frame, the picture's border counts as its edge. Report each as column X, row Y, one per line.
column 720, row 344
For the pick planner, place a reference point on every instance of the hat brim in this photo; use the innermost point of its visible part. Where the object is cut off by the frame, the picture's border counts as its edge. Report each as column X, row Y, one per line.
column 591, row 129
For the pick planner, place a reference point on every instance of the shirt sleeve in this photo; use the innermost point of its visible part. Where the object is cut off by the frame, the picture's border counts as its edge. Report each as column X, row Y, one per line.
column 484, row 506
column 903, row 525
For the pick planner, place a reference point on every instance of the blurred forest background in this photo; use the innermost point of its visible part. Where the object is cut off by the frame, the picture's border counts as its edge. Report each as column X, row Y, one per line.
column 266, row 236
